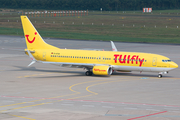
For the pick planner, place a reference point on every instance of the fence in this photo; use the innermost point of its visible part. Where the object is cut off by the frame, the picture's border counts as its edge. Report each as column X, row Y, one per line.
column 96, row 24
column 56, row 13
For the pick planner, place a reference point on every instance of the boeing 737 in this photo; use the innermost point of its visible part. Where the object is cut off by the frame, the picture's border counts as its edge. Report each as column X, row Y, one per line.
column 95, row 62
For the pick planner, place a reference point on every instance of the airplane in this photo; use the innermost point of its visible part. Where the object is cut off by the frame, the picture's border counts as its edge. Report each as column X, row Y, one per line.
column 95, row 62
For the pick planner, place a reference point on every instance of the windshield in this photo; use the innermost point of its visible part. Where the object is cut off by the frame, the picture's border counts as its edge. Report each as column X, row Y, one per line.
column 166, row 60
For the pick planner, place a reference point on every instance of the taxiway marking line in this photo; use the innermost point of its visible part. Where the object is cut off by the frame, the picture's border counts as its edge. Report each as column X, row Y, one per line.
column 41, row 99
column 147, row 115
column 20, row 103
column 27, row 76
column 41, row 104
column 21, row 117
column 87, row 88
column 80, row 97
column 70, row 88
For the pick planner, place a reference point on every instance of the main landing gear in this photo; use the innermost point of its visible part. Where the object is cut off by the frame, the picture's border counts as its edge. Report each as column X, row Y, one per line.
column 88, row 73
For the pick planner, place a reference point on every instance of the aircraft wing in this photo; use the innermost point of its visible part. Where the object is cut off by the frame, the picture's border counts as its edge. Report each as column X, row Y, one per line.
column 61, row 64
column 92, row 49
column 77, row 65
column 113, row 46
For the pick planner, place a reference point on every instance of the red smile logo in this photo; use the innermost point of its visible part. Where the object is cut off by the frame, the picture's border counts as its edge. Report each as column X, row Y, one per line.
column 31, row 41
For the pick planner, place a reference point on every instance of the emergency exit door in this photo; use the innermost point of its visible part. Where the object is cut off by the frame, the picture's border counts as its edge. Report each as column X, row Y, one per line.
column 154, row 61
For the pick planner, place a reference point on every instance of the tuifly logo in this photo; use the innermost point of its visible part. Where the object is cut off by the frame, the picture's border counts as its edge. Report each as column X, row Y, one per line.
column 128, row 59
column 99, row 70
column 31, row 41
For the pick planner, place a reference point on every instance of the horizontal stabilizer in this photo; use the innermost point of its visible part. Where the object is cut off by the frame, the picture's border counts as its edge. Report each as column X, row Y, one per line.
column 32, row 58
column 31, row 63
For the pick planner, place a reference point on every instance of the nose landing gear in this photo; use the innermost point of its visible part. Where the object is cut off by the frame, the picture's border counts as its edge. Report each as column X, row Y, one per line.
column 160, row 76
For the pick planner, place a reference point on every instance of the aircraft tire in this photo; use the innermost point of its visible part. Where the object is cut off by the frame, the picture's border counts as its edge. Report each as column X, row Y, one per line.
column 159, row 76
column 88, row 73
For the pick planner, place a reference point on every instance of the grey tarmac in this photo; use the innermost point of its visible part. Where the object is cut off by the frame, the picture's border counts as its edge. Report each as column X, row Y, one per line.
column 47, row 92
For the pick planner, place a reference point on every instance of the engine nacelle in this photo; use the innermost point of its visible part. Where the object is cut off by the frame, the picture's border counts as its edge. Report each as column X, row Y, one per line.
column 102, row 70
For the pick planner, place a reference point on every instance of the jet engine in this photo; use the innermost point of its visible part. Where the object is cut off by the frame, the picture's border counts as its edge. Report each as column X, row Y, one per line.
column 102, row 70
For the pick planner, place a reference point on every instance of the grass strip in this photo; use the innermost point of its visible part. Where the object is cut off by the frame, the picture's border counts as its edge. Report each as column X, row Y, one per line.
column 84, row 36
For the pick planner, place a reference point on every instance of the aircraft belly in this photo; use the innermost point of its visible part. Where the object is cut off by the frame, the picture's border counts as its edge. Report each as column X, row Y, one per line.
column 142, row 69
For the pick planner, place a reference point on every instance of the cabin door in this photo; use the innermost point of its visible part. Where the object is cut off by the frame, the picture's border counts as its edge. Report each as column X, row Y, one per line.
column 154, row 61
column 44, row 56
column 101, row 59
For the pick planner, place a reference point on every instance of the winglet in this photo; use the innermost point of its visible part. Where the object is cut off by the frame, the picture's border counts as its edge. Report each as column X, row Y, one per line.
column 32, row 58
column 113, row 46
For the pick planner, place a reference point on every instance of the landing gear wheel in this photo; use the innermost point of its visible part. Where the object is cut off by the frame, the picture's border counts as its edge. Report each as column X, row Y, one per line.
column 88, row 73
column 159, row 76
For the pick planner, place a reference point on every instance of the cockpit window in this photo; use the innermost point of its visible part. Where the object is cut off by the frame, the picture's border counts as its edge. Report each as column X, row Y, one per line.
column 166, row 60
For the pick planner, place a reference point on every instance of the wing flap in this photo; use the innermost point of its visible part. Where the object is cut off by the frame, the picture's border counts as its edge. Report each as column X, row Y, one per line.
column 73, row 65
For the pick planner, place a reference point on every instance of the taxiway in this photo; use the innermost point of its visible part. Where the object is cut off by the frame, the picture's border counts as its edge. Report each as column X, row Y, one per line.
column 46, row 92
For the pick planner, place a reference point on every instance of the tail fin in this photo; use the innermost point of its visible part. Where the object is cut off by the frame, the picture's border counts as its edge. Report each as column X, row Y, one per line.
column 32, row 37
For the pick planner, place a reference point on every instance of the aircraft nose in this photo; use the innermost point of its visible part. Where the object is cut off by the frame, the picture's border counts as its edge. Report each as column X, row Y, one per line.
column 174, row 65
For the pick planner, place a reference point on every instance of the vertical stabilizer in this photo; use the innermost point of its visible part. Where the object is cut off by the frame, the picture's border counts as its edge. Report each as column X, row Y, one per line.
column 32, row 37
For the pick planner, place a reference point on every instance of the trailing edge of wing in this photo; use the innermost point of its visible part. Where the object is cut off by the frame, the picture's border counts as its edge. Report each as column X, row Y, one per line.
column 113, row 46
column 73, row 64
column 31, row 63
